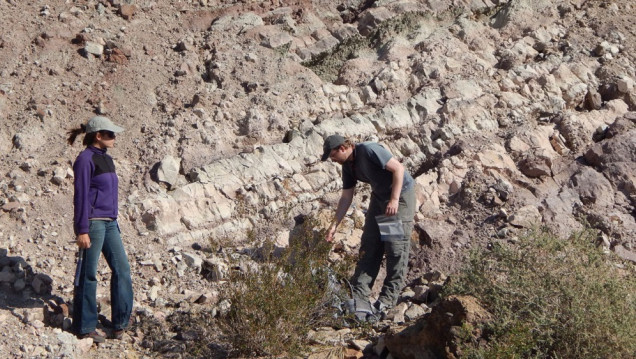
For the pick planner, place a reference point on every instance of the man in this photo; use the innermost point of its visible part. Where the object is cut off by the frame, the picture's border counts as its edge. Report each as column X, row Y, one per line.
column 392, row 193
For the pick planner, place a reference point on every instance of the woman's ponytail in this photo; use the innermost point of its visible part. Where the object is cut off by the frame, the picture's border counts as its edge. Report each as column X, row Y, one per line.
column 72, row 134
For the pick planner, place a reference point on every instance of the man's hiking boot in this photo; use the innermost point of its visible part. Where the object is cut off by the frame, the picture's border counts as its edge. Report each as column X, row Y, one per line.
column 118, row 334
column 97, row 338
column 380, row 309
column 364, row 312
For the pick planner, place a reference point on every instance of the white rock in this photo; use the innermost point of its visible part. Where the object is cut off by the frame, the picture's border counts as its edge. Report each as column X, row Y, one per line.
column 370, row 19
column 397, row 313
column 37, row 323
column 84, row 345
column 67, row 338
column 168, row 170
column 94, row 48
column 224, row 307
column 526, row 217
column 216, row 269
column 421, row 293
column 59, row 174
column 368, row 95
column 625, row 84
column 192, row 260
column 415, row 311
column 153, row 293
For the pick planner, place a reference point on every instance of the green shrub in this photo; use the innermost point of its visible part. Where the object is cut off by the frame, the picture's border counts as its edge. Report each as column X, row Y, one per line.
column 551, row 298
column 274, row 308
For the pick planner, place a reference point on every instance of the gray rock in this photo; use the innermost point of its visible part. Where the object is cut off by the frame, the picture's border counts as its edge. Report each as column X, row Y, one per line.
column 67, row 323
column 276, row 40
column 421, row 293
column 525, row 217
column 396, row 314
column 7, row 276
column 153, row 293
column 67, row 338
column 192, row 260
column 94, row 48
column 602, row 48
column 224, row 307
column 168, row 170
column 434, row 231
column 59, row 174
column 371, row 18
column 359, row 344
column 146, row 262
column 345, row 31
column 31, row 314
column 214, row 269
column 593, row 100
column 407, row 294
column 84, row 345
column 37, row 323
column 415, row 311
column 19, row 285
column 42, row 283
column 593, row 187
column 625, row 253
column 237, row 23
column 625, row 85
column 157, row 264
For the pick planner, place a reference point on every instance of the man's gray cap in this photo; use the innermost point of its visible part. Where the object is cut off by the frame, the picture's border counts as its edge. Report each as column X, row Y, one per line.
column 101, row 123
column 331, row 142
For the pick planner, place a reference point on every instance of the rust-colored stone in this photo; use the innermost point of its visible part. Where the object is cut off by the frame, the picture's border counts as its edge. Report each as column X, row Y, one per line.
column 117, row 56
column 127, row 11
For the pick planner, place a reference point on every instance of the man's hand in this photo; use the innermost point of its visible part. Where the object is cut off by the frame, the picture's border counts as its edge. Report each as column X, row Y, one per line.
column 83, row 240
column 392, row 207
column 331, row 233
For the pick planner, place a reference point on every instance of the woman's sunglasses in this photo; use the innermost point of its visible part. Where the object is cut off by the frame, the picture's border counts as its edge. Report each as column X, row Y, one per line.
column 109, row 134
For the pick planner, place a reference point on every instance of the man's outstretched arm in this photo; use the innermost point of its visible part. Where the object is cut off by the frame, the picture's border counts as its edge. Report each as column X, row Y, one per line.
column 343, row 206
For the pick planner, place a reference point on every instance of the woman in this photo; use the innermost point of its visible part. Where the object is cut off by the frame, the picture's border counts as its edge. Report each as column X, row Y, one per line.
column 97, row 231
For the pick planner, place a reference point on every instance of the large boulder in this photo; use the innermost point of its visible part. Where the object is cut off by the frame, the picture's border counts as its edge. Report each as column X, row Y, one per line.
column 621, row 148
column 434, row 335
column 615, row 158
column 372, row 18
column 593, row 188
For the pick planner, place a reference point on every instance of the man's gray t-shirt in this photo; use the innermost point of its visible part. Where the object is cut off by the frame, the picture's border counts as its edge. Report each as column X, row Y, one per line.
column 369, row 165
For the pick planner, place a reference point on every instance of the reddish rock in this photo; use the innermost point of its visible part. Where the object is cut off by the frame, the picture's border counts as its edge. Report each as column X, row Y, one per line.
column 117, row 56
column 433, row 335
column 127, row 11
column 10, row 206
column 536, row 166
column 352, row 354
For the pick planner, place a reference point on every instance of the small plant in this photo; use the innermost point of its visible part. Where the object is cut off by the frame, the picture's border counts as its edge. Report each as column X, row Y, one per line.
column 551, row 299
column 273, row 308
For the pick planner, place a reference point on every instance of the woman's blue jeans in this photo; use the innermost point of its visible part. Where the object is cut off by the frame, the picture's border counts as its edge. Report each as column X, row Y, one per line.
column 105, row 238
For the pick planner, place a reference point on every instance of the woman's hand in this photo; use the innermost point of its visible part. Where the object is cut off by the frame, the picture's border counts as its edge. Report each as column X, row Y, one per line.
column 83, row 240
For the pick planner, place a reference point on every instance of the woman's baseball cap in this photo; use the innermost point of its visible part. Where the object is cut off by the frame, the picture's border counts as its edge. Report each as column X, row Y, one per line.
column 101, row 123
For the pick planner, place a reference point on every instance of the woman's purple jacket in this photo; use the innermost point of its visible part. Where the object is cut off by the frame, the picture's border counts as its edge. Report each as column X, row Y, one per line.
column 95, row 188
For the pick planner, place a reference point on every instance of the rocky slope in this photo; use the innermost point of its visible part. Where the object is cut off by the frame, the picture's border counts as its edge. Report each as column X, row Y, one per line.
column 510, row 114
